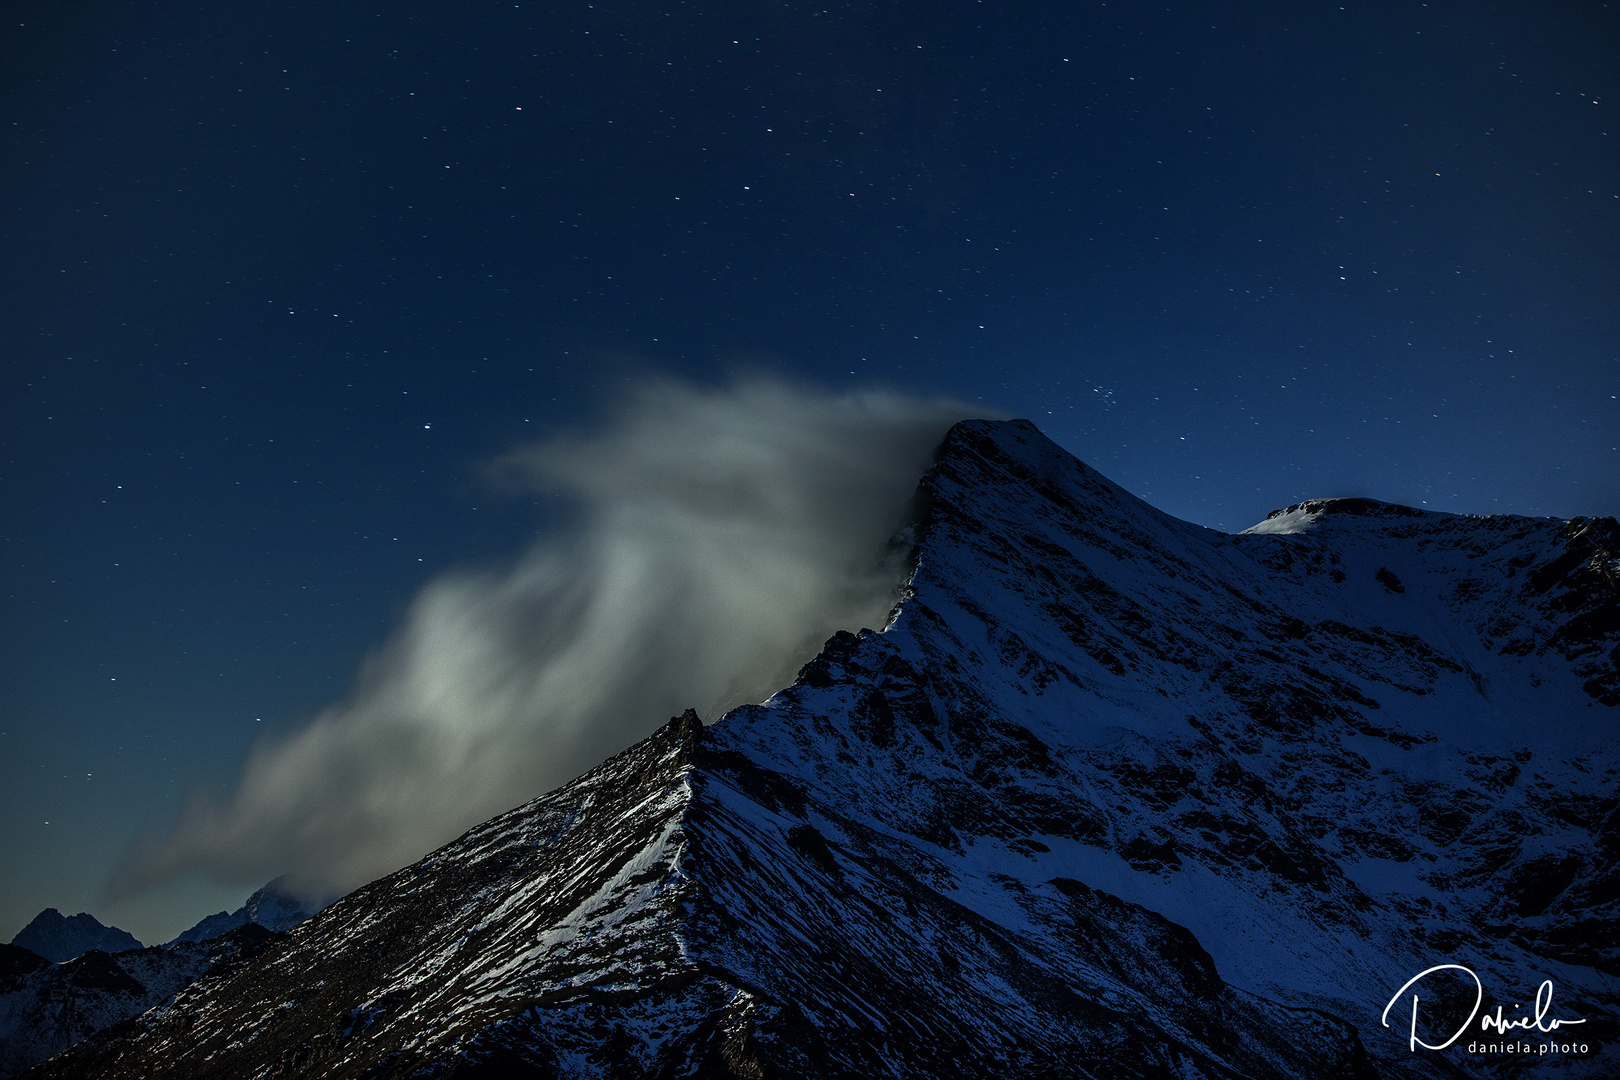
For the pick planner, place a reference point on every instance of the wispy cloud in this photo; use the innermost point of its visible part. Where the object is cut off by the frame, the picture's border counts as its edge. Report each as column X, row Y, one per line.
column 720, row 537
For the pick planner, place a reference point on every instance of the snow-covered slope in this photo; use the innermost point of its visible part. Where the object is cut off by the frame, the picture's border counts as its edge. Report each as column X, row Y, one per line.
column 45, row 1007
column 1355, row 743
column 108, row 977
column 1112, row 796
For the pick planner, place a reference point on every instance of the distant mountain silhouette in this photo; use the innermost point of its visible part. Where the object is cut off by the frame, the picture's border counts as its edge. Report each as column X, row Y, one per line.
column 280, row 905
column 58, row 938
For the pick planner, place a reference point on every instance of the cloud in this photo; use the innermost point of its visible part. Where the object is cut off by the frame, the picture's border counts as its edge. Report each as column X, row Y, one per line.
column 719, row 537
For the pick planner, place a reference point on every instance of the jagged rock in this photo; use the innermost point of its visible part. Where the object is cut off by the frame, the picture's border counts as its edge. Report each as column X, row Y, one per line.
column 45, row 1007
column 58, row 938
column 1113, row 796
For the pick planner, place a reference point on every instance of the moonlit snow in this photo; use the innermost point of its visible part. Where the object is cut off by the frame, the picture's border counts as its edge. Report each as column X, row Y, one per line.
column 719, row 537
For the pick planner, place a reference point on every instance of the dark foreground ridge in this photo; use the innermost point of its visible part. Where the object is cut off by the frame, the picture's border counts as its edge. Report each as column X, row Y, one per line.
column 1115, row 796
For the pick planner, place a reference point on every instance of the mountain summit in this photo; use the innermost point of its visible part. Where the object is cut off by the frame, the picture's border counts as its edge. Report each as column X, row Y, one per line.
column 59, row 937
column 280, row 905
column 1113, row 795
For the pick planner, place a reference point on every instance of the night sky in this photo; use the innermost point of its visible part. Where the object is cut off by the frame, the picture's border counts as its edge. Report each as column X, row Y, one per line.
column 278, row 280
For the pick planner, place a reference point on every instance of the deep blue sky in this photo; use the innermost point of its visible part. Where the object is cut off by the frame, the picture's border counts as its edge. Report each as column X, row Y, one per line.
column 276, row 278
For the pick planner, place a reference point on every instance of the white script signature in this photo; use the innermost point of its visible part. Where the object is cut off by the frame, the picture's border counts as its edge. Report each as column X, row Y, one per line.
column 1540, row 1021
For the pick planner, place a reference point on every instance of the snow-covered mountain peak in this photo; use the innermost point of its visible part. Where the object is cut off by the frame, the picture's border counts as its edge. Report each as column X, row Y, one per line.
column 1340, row 721
column 279, row 905
column 1112, row 795
column 1301, row 516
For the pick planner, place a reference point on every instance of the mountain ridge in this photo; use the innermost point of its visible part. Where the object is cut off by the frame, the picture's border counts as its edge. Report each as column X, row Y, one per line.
column 47, row 1005
column 57, row 937
column 1111, row 795
column 277, row 905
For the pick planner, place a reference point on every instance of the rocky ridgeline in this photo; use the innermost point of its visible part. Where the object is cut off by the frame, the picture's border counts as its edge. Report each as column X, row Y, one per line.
column 1113, row 796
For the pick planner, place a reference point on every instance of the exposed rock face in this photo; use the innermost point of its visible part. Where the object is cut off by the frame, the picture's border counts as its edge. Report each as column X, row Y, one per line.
column 57, row 937
column 1113, row 796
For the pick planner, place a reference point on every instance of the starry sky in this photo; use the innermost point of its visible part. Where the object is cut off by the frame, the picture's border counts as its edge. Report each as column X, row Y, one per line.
column 278, row 279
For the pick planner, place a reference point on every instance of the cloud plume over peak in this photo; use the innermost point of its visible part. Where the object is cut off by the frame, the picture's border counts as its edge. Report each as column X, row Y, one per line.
column 719, row 537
